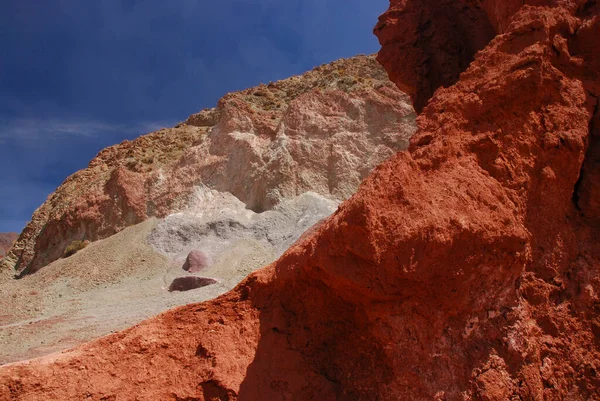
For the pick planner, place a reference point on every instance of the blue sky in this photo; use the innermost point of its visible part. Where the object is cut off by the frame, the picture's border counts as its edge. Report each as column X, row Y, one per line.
column 77, row 76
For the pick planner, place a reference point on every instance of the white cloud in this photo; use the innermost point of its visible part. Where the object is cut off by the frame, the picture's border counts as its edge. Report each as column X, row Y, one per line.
column 31, row 129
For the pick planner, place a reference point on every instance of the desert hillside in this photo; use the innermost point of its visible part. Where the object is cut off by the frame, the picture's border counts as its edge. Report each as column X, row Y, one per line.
column 184, row 214
column 322, row 132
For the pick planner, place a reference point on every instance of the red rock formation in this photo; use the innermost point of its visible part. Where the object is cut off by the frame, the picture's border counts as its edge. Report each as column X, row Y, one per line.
column 323, row 131
column 6, row 241
column 465, row 268
column 427, row 44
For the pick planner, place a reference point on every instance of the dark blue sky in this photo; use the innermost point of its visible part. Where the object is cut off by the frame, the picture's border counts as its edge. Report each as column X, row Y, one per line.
column 77, row 76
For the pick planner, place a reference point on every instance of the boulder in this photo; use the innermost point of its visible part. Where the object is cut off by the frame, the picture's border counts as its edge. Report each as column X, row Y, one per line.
column 197, row 261
column 190, row 283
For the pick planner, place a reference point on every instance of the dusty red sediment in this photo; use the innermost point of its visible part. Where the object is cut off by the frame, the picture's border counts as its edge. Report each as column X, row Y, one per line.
column 465, row 268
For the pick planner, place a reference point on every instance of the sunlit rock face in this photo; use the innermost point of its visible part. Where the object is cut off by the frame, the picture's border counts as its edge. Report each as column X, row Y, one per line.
column 323, row 131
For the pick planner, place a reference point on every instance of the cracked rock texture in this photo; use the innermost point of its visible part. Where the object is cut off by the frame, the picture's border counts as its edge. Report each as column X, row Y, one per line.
column 467, row 268
column 323, row 131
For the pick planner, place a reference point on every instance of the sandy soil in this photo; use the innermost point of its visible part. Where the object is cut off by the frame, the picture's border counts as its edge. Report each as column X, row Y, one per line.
column 119, row 281
column 109, row 286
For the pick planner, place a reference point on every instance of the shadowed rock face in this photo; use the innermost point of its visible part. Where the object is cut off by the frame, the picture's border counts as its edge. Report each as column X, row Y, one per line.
column 6, row 241
column 427, row 44
column 465, row 268
column 323, row 131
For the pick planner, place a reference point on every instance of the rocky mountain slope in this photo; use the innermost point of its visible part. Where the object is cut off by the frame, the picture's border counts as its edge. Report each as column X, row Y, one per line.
column 237, row 185
column 464, row 269
column 6, row 241
column 323, row 132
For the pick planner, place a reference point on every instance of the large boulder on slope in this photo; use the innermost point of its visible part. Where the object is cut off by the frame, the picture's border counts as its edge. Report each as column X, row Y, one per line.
column 196, row 261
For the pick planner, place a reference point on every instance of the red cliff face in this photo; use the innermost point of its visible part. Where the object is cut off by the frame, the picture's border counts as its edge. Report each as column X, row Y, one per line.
column 427, row 44
column 465, row 268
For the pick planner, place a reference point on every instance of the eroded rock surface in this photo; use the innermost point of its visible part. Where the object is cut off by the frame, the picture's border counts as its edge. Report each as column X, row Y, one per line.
column 6, row 241
column 323, row 131
column 463, row 269
column 427, row 44
column 217, row 222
